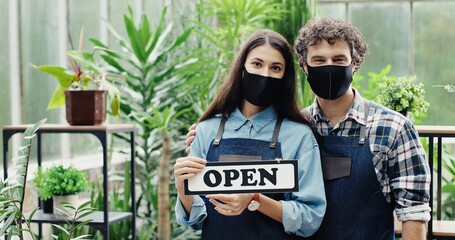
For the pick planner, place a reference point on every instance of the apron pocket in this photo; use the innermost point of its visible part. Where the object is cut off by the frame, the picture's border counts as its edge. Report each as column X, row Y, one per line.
column 336, row 167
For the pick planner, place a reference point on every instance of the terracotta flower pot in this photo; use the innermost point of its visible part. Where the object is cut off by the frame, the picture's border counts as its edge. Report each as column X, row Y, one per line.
column 85, row 107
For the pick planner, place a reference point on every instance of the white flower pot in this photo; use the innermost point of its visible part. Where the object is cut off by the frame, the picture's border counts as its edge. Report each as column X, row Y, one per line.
column 63, row 212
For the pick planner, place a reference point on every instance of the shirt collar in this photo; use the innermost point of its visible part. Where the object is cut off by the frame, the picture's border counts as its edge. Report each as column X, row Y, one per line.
column 356, row 112
column 258, row 121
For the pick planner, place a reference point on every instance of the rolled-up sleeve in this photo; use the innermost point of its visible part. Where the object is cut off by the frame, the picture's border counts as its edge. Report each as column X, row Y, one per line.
column 197, row 214
column 198, row 209
column 304, row 210
column 410, row 178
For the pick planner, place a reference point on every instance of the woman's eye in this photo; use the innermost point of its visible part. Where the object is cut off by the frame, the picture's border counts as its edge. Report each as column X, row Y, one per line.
column 256, row 64
column 276, row 68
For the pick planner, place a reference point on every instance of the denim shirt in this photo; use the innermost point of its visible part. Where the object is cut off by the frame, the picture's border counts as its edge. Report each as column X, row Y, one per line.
column 302, row 211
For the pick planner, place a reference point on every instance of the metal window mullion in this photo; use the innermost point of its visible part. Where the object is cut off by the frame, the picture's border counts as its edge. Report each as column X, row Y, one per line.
column 63, row 28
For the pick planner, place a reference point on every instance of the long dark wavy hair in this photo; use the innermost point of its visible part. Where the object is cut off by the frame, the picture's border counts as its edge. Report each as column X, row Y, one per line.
column 230, row 95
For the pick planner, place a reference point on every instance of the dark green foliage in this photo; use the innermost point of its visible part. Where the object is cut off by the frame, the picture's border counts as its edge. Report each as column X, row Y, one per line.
column 60, row 180
column 12, row 190
column 78, row 220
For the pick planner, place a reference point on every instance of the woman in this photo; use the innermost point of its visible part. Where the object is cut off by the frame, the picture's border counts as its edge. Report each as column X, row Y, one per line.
column 244, row 119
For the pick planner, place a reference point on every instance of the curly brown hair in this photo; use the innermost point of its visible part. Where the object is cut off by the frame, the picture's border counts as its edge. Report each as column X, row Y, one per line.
column 331, row 30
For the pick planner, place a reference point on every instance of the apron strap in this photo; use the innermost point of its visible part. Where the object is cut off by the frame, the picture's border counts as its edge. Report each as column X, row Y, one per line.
column 276, row 132
column 217, row 140
column 273, row 143
column 363, row 127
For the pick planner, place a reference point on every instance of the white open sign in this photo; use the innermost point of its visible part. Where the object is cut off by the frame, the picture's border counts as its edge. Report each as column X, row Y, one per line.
column 245, row 177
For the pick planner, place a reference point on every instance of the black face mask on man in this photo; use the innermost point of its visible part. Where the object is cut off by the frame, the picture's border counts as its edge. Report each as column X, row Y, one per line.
column 329, row 82
column 261, row 90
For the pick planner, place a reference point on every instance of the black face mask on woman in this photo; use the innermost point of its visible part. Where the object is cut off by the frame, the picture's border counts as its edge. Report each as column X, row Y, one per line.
column 330, row 82
column 261, row 90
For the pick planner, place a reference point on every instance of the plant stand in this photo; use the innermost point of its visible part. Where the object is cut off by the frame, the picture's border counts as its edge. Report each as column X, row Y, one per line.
column 102, row 219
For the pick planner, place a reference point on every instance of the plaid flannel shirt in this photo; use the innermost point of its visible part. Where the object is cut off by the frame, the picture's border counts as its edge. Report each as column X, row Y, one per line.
column 399, row 159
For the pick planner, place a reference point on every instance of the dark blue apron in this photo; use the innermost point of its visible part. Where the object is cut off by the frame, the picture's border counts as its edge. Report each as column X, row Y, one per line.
column 356, row 207
column 248, row 225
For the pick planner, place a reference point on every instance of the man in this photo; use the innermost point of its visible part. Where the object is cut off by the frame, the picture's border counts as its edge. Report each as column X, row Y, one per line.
column 372, row 158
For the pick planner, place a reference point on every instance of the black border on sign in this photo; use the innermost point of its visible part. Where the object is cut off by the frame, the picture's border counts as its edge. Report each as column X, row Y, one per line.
column 263, row 162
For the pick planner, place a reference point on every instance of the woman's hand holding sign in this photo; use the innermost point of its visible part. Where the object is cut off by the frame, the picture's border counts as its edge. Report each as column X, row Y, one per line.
column 230, row 204
column 185, row 168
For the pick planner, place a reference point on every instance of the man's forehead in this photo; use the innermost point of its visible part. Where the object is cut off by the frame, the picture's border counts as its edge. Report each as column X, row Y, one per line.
column 339, row 47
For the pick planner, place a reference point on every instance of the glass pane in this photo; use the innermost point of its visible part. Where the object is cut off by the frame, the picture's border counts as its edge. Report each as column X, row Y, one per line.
column 434, row 57
column 385, row 27
column 117, row 9
column 153, row 10
column 84, row 13
column 39, row 46
column 5, row 117
column 334, row 10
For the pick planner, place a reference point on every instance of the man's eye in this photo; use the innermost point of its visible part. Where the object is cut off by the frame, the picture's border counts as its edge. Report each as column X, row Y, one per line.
column 340, row 61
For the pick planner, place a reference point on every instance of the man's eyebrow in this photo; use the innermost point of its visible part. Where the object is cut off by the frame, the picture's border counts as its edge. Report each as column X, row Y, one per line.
column 340, row 55
column 317, row 56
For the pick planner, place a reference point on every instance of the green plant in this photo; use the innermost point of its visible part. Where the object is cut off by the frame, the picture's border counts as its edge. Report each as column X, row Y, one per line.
column 150, row 73
column 12, row 190
column 448, row 177
column 76, row 221
column 85, row 73
column 402, row 94
column 450, row 88
column 369, row 90
column 60, row 180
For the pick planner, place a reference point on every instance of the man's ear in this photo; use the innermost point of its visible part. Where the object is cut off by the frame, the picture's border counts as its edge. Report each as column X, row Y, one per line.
column 354, row 67
column 303, row 66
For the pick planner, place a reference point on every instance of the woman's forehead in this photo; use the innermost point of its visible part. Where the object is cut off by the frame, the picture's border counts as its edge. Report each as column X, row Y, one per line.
column 266, row 53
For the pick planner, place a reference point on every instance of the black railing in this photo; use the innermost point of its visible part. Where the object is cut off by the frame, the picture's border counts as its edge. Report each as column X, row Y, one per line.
column 441, row 230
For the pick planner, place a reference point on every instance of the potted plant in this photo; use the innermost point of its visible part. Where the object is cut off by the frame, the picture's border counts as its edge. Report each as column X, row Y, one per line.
column 47, row 204
column 83, row 87
column 403, row 95
column 63, row 184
